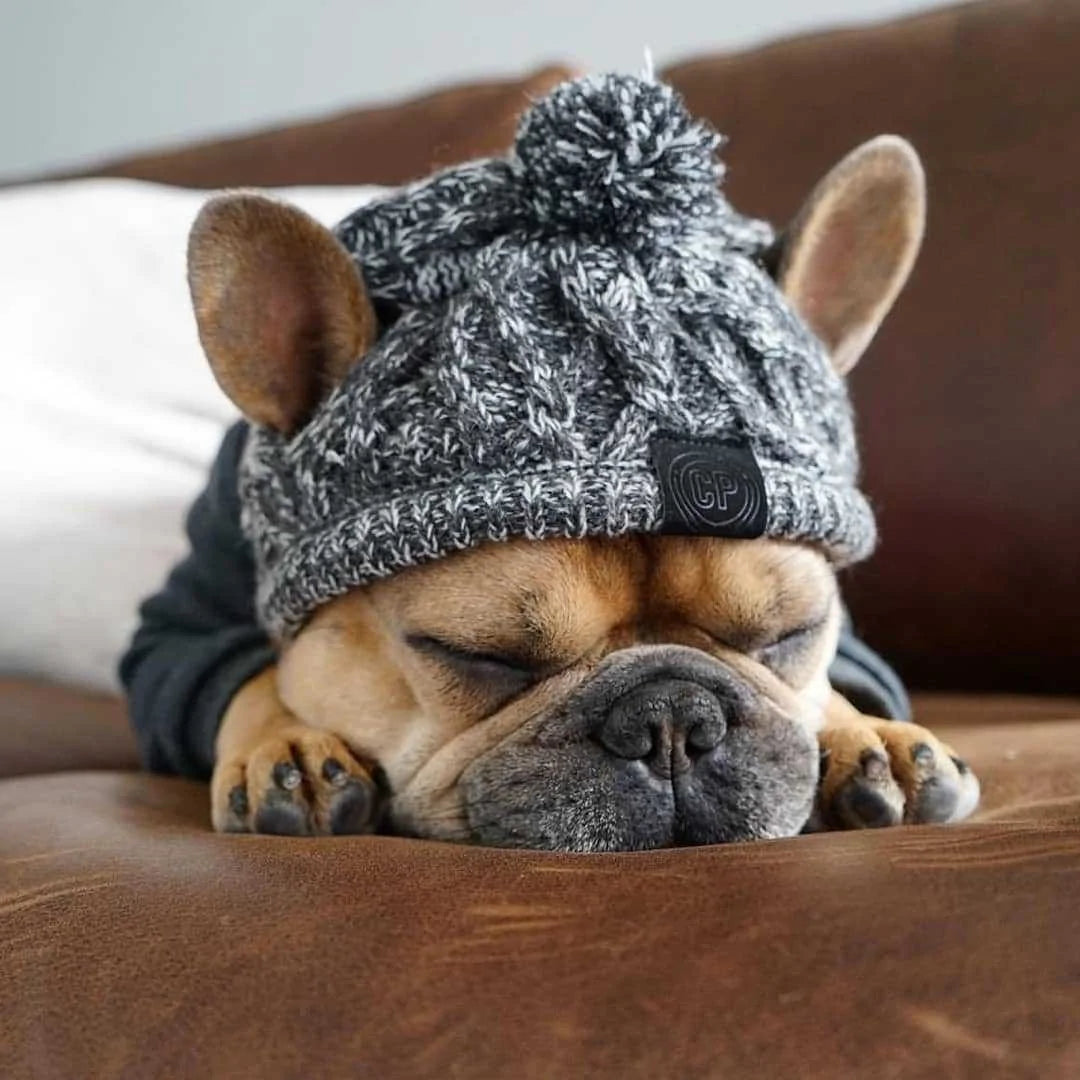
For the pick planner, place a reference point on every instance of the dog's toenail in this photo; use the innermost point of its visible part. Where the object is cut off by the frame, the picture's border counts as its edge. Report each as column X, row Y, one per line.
column 922, row 754
column 286, row 775
column 875, row 764
column 334, row 772
column 962, row 766
column 238, row 801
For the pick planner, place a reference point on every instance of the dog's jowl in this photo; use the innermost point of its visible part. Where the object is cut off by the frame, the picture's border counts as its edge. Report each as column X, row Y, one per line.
column 531, row 532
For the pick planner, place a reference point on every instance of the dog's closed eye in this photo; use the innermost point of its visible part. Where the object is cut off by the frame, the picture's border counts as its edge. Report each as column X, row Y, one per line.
column 502, row 675
column 791, row 645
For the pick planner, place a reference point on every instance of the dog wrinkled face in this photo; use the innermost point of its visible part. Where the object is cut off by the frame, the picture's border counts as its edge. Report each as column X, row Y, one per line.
column 587, row 695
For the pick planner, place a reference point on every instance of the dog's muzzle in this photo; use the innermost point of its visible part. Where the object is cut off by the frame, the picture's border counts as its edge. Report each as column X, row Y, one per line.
column 662, row 745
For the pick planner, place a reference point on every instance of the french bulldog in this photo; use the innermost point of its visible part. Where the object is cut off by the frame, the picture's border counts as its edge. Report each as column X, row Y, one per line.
column 598, row 694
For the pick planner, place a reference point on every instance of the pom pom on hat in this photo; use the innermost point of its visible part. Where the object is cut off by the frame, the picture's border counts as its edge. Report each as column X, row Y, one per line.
column 615, row 153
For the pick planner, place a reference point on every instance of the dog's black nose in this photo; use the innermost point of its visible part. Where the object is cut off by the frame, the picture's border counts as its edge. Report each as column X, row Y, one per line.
column 667, row 723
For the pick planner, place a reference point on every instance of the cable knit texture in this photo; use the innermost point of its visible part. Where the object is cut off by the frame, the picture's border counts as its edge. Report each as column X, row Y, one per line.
column 559, row 310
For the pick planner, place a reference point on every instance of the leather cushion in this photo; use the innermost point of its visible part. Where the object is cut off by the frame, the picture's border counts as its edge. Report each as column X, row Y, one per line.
column 135, row 942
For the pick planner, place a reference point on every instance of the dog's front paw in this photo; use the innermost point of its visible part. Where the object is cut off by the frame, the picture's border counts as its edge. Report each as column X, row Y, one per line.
column 297, row 781
column 876, row 773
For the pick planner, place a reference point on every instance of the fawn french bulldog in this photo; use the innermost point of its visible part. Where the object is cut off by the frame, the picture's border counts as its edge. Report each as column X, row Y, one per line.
column 549, row 475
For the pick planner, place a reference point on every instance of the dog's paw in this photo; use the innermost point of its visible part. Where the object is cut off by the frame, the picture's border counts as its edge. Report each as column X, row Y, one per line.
column 296, row 782
column 876, row 773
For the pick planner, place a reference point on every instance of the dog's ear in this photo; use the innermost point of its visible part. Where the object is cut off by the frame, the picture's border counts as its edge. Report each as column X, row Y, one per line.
column 846, row 256
column 282, row 311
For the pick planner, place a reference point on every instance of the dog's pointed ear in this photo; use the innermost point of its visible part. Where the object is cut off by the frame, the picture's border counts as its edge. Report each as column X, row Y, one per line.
column 282, row 312
column 846, row 256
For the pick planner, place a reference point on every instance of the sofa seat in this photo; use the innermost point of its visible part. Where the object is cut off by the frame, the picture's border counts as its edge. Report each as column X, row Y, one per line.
column 137, row 940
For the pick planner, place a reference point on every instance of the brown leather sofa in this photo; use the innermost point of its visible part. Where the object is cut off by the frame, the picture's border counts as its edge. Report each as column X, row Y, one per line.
column 136, row 943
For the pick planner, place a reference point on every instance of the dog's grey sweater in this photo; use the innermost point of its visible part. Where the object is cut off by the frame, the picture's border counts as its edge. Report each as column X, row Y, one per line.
column 199, row 640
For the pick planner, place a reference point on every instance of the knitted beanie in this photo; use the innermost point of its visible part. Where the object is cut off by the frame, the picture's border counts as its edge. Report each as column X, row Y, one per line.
column 579, row 339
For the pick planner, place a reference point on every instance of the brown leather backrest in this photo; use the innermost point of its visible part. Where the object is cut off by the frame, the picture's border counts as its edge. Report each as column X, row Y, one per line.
column 52, row 728
column 382, row 145
column 969, row 401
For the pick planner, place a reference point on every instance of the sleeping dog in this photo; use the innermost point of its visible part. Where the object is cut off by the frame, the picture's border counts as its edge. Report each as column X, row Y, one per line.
column 530, row 537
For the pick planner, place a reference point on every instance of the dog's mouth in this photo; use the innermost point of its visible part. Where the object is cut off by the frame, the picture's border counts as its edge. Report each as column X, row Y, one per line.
column 663, row 746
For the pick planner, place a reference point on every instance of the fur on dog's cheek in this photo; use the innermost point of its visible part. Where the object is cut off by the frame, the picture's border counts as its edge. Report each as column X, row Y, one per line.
column 431, row 801
column 340, row 678
column 802, row 689
column 802, row 704
column 815, row 698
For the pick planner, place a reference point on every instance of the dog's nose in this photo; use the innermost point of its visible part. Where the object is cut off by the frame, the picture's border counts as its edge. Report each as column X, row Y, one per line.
column 666, row 723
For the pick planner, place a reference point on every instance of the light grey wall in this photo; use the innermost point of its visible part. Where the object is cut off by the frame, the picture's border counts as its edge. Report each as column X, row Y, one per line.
column 80, row 80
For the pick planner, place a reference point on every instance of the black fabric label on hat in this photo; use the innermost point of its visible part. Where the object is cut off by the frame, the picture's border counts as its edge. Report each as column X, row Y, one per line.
column 709, row 488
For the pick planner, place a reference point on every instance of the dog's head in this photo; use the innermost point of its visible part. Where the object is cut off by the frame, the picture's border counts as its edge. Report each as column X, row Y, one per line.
column 589, row 694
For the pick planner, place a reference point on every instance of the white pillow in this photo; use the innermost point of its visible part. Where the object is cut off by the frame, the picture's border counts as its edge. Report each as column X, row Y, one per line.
column 110, row 417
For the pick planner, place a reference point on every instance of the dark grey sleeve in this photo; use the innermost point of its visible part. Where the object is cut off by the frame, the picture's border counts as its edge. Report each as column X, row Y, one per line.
column 866, row 680
column 198, row 640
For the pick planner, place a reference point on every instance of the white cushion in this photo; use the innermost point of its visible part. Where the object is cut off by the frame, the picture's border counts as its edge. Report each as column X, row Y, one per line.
column 111, row 416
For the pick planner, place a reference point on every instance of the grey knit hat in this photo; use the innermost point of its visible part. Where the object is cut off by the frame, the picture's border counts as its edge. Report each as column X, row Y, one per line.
column 581, row 340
